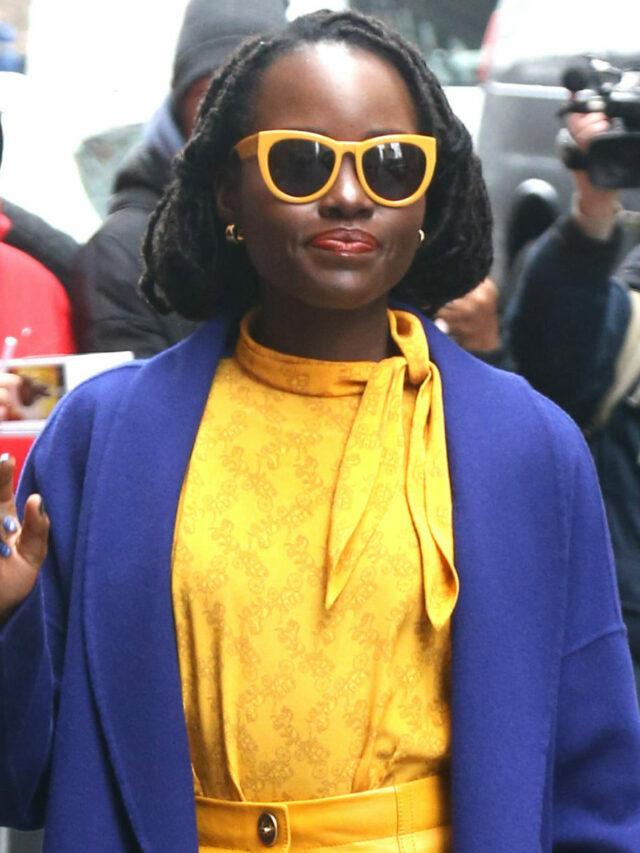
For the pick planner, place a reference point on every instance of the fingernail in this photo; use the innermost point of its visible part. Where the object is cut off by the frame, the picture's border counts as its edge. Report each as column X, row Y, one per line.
column 43, row 510
column 5, row 550
column 4, row 458
column 10, row 524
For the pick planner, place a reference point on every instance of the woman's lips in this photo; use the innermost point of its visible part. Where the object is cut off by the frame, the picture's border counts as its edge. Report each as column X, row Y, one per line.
column 345, row 241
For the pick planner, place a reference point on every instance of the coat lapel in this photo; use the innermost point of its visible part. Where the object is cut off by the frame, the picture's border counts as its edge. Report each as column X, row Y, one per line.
column 128, row 607
column 506, row 635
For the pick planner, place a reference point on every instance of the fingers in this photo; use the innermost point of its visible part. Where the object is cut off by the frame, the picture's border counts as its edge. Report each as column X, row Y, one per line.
column 480, row 301
column 585, row 126
column 9, row 380
column 488, row 288
column 472, row 319
column 31, row 540
column 22, row 552
column 455, row 310
column 9, row 383
column 7, row 500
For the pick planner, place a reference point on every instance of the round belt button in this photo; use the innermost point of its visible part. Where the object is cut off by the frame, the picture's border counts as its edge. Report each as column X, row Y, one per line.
column 267, row 829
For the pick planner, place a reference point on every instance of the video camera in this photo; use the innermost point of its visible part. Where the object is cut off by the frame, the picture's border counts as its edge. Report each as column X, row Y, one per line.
column 612, row 159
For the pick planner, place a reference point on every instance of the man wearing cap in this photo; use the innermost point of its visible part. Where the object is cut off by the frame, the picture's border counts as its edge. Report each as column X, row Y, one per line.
column 111, row 314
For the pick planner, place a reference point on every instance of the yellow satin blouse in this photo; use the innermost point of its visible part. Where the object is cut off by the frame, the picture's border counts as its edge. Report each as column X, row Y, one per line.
column 313, row 575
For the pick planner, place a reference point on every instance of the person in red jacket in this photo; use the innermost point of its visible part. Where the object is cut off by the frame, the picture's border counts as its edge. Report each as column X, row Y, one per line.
column 34, row 306
column 35, row 309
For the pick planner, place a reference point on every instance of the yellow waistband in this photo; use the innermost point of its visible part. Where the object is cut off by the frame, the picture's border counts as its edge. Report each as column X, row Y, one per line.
column 307, row 824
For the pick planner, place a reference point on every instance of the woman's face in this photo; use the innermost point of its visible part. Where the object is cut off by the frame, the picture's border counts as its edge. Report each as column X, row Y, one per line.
column 349, row 94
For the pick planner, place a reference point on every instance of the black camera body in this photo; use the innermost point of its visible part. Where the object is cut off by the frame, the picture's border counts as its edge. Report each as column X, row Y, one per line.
column 612, row 160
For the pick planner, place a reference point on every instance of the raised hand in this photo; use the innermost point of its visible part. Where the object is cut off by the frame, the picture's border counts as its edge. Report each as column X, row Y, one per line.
column 23, row 546
column 593, row 201
column 472, row 320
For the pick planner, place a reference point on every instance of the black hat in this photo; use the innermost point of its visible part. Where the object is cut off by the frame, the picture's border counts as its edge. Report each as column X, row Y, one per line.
column 211, row 30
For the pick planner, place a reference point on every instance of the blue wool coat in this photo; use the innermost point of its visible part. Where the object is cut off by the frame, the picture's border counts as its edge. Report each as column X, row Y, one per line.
column 546, row 734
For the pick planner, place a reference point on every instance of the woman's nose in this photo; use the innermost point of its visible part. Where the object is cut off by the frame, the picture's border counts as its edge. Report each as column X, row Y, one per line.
column 347, row 199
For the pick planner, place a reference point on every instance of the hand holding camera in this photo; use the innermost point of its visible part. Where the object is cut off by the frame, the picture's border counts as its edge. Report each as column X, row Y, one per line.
column 607, row 147
column 594, row 202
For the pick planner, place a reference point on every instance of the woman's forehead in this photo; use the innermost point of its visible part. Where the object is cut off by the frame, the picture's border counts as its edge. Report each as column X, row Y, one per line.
column 327, row 81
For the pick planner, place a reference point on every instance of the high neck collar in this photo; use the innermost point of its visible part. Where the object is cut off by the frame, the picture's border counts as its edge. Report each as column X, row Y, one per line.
column 319, row 378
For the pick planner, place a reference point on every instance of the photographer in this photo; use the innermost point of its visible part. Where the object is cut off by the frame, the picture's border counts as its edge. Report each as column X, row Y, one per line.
column 575, row 336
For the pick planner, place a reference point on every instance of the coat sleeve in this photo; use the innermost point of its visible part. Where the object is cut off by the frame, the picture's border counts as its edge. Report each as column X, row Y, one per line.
column 32, row 642
column 596, row 784
column 570, row 318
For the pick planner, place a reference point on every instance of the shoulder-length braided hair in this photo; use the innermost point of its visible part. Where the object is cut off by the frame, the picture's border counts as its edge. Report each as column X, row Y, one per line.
column 191, row 269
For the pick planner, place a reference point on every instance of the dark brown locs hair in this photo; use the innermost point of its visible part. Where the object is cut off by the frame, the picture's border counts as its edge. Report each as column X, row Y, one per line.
column 191, row 269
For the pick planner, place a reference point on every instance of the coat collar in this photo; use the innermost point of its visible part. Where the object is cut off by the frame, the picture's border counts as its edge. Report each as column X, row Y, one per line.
column 500, row 727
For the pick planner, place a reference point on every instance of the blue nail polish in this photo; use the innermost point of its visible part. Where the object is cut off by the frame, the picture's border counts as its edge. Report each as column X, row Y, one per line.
column 10, row 524
column 5, row 550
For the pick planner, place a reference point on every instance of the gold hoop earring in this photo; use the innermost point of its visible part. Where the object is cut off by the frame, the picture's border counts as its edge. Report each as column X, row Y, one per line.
column 233, row 234
column 421, row 236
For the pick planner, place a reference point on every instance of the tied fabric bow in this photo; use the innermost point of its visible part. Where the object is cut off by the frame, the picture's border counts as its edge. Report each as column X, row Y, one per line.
column 375, row 465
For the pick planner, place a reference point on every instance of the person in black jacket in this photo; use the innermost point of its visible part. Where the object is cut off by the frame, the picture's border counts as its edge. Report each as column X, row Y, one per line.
column 575, row 336
column 111, row 313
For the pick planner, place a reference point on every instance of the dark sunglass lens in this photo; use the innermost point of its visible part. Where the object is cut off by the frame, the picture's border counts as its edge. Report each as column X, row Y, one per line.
column 300, row 167
column 394, row 170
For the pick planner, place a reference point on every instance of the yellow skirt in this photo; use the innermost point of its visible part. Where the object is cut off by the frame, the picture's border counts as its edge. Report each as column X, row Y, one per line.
column 409, row 818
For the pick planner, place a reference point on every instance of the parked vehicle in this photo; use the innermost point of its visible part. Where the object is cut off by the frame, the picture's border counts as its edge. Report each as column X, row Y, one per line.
column 528, row 46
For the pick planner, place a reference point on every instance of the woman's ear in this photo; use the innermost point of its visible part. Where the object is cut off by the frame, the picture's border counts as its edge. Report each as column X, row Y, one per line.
column 226, row 193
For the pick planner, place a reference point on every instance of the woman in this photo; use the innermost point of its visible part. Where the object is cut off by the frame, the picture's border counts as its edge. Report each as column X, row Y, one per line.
column 261, row 538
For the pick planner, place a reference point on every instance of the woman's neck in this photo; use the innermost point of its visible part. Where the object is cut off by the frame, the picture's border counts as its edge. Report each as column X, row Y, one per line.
column 291, row 327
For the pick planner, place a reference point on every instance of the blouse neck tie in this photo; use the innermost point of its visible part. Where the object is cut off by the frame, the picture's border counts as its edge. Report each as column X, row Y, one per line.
column 376, row 465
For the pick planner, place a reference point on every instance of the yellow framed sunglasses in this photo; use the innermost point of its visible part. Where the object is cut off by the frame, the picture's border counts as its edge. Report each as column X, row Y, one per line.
column 299, row 166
